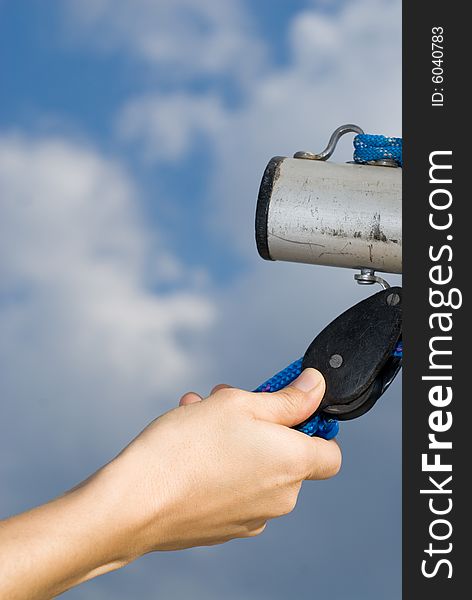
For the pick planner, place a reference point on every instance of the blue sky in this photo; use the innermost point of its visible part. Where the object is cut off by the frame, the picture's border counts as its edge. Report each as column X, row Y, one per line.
column 133, row 135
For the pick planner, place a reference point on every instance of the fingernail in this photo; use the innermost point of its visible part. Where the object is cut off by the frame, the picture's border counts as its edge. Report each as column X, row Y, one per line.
column 308, row 380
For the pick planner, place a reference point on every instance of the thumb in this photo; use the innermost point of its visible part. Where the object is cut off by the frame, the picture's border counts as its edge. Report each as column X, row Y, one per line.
column 293, row 404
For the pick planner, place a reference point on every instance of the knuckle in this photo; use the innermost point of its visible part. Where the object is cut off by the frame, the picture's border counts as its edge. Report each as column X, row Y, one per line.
column 220, row 386
column 303, row 459
column 224, row 393
column 332, row 465
column 336, row 460
column 306, row 459
column 291, row 463
column 254, row 532
column 319, row 459
column 291, row 396
column 230, row 397
column 291, row 399
column 288, row 504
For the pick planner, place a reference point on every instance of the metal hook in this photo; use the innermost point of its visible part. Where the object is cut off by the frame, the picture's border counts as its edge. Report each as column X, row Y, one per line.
column 333, row 141
column 368, row 277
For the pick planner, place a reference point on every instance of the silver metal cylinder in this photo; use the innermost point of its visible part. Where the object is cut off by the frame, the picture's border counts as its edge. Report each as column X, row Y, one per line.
column 324, row 213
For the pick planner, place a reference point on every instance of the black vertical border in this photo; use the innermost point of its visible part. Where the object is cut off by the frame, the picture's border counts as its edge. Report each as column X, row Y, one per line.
column 426, row 129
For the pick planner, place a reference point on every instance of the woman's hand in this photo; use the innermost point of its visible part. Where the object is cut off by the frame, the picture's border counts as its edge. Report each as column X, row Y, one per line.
column 204, row 473
column 220, row 468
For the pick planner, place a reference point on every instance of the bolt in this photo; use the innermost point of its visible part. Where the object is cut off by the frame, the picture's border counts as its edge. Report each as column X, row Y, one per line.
column 393, row 299
column 336, row 361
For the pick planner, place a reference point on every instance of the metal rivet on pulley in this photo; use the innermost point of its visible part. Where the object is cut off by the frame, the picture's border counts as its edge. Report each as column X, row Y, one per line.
column 393, row 299
column 336, row 361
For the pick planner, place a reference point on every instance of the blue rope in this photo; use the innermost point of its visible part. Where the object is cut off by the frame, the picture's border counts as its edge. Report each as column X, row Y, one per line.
column 318, row 425
column 282, row 378
column 367, row 147
column 398, row 352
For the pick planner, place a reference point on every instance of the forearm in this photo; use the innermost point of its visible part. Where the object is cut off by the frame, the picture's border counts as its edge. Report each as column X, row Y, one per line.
column 58, row 545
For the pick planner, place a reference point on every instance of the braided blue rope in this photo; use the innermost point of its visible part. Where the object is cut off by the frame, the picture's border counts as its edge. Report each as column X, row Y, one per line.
column 282, row 378
column 318, row 425
column 369, row 147
column 398, row 352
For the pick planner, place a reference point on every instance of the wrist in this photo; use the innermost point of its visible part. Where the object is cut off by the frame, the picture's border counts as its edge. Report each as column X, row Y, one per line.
column 90, row 523
column 110, row 500
column 129, row 506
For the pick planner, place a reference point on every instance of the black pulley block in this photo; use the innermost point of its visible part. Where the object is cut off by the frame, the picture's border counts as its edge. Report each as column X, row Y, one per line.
column 356, row 353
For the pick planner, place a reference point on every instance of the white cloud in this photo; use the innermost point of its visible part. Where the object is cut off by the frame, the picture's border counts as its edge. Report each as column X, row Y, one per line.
column 166, row 125
column 344, row 66
column 82, row 332
column 190, row 37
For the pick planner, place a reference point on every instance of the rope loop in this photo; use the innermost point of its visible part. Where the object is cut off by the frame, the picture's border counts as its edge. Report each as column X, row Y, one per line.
column 368, row 147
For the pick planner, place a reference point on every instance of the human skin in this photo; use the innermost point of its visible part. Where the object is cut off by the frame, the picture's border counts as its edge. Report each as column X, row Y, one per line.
column 204, row 473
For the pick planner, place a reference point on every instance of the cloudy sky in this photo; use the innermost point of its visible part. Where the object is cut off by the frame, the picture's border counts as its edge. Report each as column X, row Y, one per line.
column 133, row 135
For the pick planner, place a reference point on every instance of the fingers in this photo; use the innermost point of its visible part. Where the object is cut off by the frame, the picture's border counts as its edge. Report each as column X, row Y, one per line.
column 192, row 397
column 189, row 398
column 220, row 386
column 322, row 458
column 293, row 404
